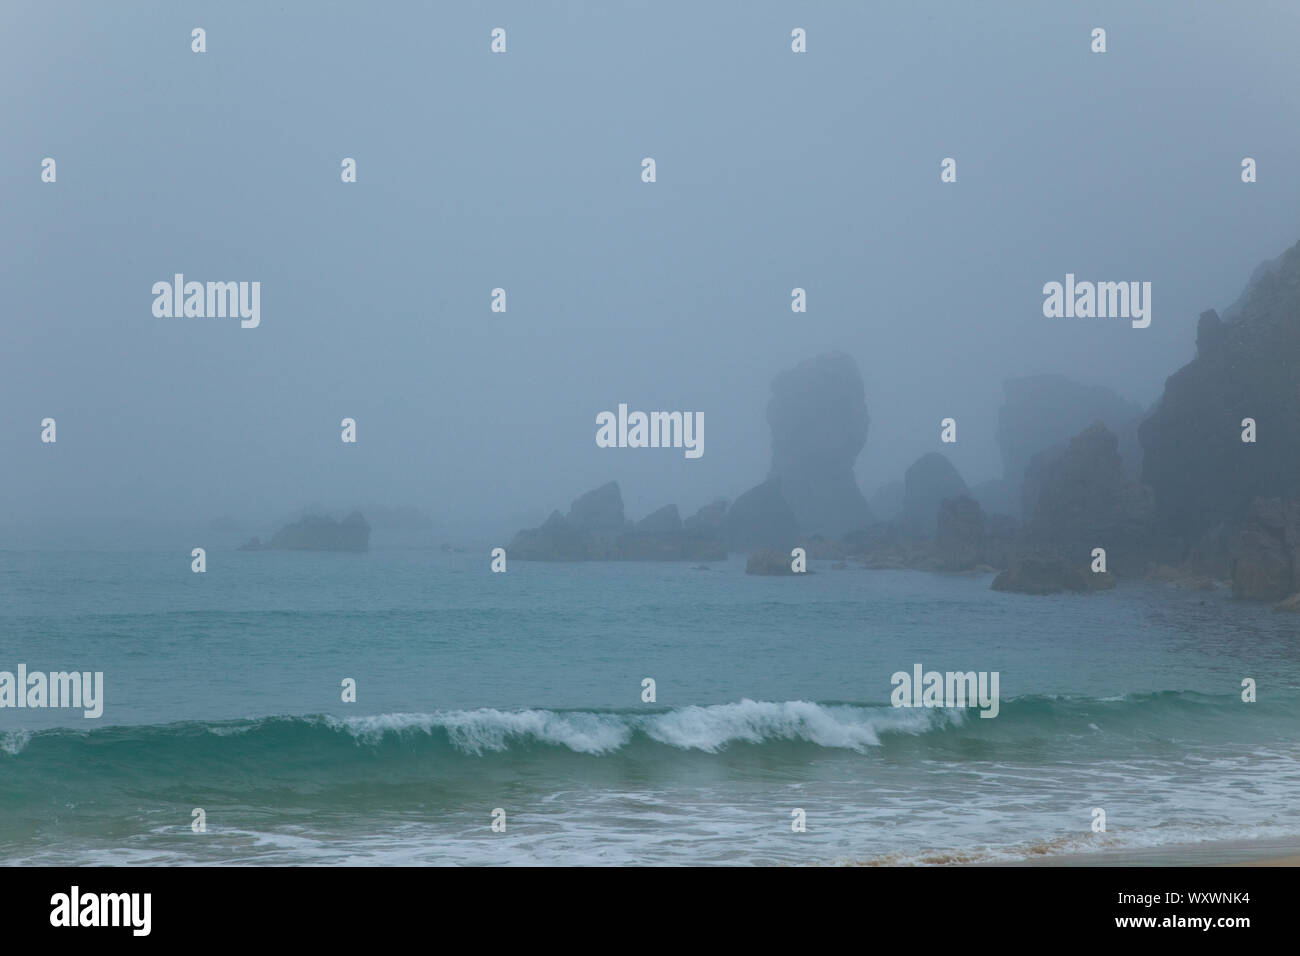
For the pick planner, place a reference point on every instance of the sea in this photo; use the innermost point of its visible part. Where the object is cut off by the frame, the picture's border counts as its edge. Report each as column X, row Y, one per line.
column 503, row 719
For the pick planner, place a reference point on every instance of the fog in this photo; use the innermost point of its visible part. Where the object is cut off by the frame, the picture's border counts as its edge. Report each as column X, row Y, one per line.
column 523, row 171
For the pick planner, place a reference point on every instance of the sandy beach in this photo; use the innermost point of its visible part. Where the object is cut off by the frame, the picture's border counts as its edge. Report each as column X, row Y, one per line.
column 1228, row 853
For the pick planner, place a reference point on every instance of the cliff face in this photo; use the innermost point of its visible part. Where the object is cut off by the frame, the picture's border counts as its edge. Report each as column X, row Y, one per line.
column 1202, row 473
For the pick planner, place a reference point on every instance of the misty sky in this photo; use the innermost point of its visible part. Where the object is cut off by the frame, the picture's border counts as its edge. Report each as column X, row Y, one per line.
column 522, row 170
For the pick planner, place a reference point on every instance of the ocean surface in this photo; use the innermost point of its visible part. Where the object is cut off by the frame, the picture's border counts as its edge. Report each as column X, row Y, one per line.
column 522, row 691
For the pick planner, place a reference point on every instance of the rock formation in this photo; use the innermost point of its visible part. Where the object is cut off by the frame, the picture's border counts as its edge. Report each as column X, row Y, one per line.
column 930, row 480
column 960, row 536
column 1086, row 501
column 1202, row 473
column 595, row 529
column 1040, row 412
column 1049, row 572
column 818, row 417
column 318, row 533
column 1266, row 560
column 761, row 518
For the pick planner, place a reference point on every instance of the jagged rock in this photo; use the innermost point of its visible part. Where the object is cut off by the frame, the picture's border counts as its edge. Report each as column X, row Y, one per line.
column 1232, row 312
column 760, row 518
column 1043, row 411
column 1266, row 564
column 662, row 537
column 1086, row 501
column 555, row 540
column 768, row 561
column 596, row 530
column 599, row 511
column 930, row 480
column 1202, row 473
column 1211, row 333
column 959, row 540
column 318, row 533
column 1049, row 573
column 708, row 520
column 664, row 521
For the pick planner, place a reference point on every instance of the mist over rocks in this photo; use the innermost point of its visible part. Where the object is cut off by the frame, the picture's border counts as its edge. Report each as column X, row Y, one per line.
column 818, row 419
column 599, row 511
column 1208, row 505
column 596, row 529
column 708, row 520
column 315, row 532
column 1194, row 458
column 886, row 502
column 1040, row 412
column 760, row 518
column 929, row 480
column 1086, row 501
column 664, row 521
column 997, row 496
column 960, row 534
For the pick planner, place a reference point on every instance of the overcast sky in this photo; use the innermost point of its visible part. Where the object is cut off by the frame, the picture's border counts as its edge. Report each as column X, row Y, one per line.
column 523, row 171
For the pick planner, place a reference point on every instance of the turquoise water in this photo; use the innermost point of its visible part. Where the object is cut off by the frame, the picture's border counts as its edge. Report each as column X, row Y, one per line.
column 522, row 691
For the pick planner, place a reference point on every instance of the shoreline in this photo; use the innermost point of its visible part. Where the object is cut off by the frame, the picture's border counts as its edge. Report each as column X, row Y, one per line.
column 1266, row 852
